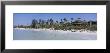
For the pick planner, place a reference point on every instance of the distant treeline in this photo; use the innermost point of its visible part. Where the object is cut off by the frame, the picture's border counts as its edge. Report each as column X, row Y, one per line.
column 63, row 24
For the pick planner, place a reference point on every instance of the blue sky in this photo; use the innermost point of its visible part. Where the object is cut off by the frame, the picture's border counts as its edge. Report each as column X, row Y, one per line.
column 26, row 18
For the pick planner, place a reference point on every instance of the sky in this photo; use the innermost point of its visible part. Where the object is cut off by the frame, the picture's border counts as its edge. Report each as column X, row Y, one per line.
column 26, row 18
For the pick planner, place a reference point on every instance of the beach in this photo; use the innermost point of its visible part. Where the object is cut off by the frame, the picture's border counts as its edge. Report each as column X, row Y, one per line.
column 49, row 34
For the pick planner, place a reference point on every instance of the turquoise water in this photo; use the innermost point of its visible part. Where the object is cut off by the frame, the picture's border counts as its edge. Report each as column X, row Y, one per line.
column 27, row 34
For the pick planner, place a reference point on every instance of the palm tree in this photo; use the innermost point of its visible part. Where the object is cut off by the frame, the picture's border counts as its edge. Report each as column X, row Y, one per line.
column 65, row 20
column 57, row 22
column 33, row 24
column 36, row 21
column 72, row 19
column 48, row 21
column 40, row 21
column 79, row 18
column 36, row 26
column 65, row 23
column 61, row 21
column 51, row 21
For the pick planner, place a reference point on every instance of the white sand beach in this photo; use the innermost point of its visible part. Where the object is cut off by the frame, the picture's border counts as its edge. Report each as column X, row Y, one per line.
column 49, row 34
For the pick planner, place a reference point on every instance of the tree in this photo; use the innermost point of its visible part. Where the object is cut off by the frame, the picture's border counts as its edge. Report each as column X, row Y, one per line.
column 79, row 18
column 65, row 20
column 36, row 24
column 72, row 19
column 65, row 24
column 33, row 24
column 48, row 21
column 51, row 21
column 61, row 21
column 36, row 21
column 40, row 21
column 57, row 22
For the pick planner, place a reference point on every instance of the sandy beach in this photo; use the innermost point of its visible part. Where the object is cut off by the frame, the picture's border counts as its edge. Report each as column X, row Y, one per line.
column 48, row 34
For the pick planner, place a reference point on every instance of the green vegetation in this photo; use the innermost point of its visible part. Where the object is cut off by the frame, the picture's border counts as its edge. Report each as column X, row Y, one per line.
column 63, row 24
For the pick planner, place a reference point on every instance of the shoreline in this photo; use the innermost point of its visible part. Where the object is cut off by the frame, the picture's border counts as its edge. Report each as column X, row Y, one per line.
column 47, row 34
column 45, row 29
